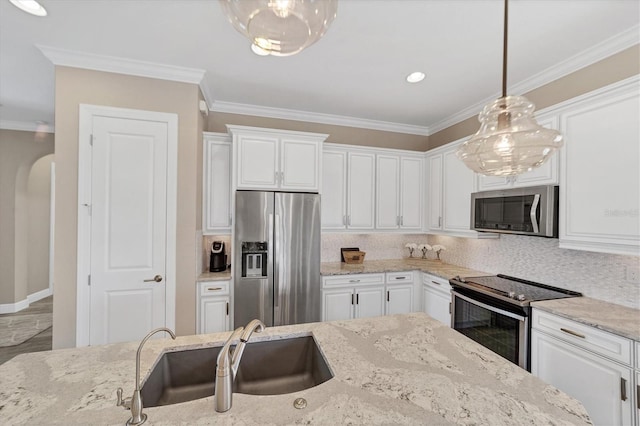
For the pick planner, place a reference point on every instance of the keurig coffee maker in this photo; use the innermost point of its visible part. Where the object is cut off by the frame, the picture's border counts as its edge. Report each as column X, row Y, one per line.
column 218, row 260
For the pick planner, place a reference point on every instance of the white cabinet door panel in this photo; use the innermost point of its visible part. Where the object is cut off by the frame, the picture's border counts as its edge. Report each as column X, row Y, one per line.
column 411, row 193
column 334, row 189
column 337, row 304
column 217, row 185
column 399, row 299
column 257, row 162
column 361, row 193
column 456, row 193
column 214, row 314
column 369, row 302
column 436, row 304
column 387, row 195
column 299, row 165
column 434, row 194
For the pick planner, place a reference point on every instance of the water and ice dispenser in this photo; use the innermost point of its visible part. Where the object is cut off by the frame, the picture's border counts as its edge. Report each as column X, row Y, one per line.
column 254, row 259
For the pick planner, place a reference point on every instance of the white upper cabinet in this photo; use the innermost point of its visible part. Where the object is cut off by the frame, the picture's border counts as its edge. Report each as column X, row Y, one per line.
column 348, row 189
column 272, row 159
column 600, row 171
column 216, row 197
column 398, row 192
column 547, row 174
column 449, row 191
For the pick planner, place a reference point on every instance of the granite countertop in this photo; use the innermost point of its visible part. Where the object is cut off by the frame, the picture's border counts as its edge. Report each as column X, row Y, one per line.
column 617, row 319
column 401, row 369
column 215, row 276
column 433, row 267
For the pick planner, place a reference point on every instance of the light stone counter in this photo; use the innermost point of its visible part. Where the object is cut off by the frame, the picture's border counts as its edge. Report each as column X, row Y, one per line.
column 215, row 276
column 433, row 267
column 617, row 319
column 402, row 369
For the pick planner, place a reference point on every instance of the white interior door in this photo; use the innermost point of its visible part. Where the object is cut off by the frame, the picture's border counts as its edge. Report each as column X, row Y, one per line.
column 128, row 228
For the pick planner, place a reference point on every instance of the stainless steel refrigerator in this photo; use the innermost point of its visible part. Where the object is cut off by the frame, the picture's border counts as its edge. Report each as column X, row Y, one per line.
column 277, row 258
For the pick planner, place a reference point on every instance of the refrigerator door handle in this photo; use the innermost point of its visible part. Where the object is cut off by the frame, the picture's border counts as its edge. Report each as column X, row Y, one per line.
column 277, row 275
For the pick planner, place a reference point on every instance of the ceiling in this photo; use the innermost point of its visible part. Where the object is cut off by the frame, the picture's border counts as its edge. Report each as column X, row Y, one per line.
column 357, row 70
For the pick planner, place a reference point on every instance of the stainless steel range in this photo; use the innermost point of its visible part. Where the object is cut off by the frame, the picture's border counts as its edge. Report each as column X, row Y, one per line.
column 495, row 310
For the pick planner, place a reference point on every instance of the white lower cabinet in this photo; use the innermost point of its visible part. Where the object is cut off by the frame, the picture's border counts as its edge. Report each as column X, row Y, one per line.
column 436, row 298
column 579, row 364
column 399, row 293
column 212, row 307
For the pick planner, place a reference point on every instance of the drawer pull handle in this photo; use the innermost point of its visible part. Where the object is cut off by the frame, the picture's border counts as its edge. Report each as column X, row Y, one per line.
column 623, row 389
column 436, row 282
column 354, row 281
column 401, row 278
column 387, row 295
column 638, row 396
column 227, row 308
column 213, row 288
column 573, row 333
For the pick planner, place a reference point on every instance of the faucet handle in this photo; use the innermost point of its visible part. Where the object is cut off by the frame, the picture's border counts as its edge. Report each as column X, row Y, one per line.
column 124, row 403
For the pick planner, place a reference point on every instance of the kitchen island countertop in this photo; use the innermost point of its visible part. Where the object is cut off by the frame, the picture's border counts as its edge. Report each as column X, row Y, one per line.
column 433, row 267
column 401, row 369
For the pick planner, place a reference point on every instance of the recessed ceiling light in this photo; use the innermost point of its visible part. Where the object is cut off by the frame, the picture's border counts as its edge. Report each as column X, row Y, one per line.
column 30, row 6
column 258, row 50
column 415, row 77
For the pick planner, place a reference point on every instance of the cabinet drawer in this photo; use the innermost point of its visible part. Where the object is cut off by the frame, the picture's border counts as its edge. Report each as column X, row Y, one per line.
column 399, row 277
column 601, row 342
column 213, row 288
column 352, row 280
column 436, row 283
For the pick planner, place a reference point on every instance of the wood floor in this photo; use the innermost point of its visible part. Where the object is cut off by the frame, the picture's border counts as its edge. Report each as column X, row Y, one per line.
column 39, row 342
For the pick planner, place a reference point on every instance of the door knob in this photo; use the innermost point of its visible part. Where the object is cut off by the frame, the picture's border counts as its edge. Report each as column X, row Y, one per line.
column 157, row 279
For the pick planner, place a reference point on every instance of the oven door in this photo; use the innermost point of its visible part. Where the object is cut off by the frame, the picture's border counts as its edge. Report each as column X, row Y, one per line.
column 505, row 333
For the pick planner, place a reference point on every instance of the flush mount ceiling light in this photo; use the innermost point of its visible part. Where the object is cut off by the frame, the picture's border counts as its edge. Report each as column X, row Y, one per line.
column 510, row 141
column 415, row 77
column 280, row 27
column 30, row 6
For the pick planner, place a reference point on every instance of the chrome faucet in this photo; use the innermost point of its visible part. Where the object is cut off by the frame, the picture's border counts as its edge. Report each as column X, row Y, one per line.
column 227, row 366
column 135, row 402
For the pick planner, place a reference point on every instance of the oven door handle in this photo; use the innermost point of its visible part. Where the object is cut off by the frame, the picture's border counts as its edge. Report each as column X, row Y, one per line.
column 532, row 213
column 489, row 307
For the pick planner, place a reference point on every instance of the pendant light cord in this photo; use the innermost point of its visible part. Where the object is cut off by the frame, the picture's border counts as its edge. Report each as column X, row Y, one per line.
column 504, row 49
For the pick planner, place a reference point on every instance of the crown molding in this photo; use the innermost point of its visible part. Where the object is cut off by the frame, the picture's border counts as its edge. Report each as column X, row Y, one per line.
column 114, row 64
column 25, row 126
column 600, row 51
column 313, row 117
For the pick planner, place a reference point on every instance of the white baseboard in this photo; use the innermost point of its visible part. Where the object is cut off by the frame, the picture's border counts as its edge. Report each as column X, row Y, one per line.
column 11, row 308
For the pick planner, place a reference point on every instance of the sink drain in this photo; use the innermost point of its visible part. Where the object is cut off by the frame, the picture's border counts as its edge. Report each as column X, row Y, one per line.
column 300, row 403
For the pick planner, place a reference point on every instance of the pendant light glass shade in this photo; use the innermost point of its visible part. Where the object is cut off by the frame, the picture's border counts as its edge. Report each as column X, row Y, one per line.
column 281, row 27
column 510, row 141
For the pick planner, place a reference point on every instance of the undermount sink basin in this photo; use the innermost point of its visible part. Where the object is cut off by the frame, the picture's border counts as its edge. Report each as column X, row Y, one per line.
column 267, row 368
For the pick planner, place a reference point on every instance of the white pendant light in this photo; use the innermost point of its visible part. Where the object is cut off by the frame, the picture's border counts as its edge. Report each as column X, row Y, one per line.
column 510, row 141
column 281, row 27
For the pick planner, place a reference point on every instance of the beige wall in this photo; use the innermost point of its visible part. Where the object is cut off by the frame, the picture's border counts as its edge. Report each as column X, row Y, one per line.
column 18, row 152
column 76, row 86
column 607, row 71
column 337, row 134
column 39, row 199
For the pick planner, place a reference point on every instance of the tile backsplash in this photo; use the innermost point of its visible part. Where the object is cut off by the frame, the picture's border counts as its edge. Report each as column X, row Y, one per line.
column 377, row 246
column 597, row 275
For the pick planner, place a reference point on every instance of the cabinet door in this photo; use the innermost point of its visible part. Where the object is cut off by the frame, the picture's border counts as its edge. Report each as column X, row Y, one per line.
column 546, row 174
column 300, row 165
column 489, row 183
column 602, row 386
column 214, row 314
column 411, row 193
column 337, row 304
column 459, row 183
column 369, row 302
column 437, row 305
column 361, row 194
column 216, row 215
column 387, row 191
column 434, row 192
column 334, row 189
column 257, row 162
column 399, row 299
column 600, row 175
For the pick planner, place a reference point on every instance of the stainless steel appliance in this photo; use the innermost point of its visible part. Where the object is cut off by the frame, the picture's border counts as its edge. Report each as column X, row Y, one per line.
column 277, row 258
column 525, row 211
column 495, row 310
column 218, row 259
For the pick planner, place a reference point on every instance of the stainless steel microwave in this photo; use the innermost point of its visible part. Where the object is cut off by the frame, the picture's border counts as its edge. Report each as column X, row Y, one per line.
column 525, row 211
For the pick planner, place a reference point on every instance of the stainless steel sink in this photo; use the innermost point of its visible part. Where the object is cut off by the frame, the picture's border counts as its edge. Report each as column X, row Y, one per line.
column 267, row 368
